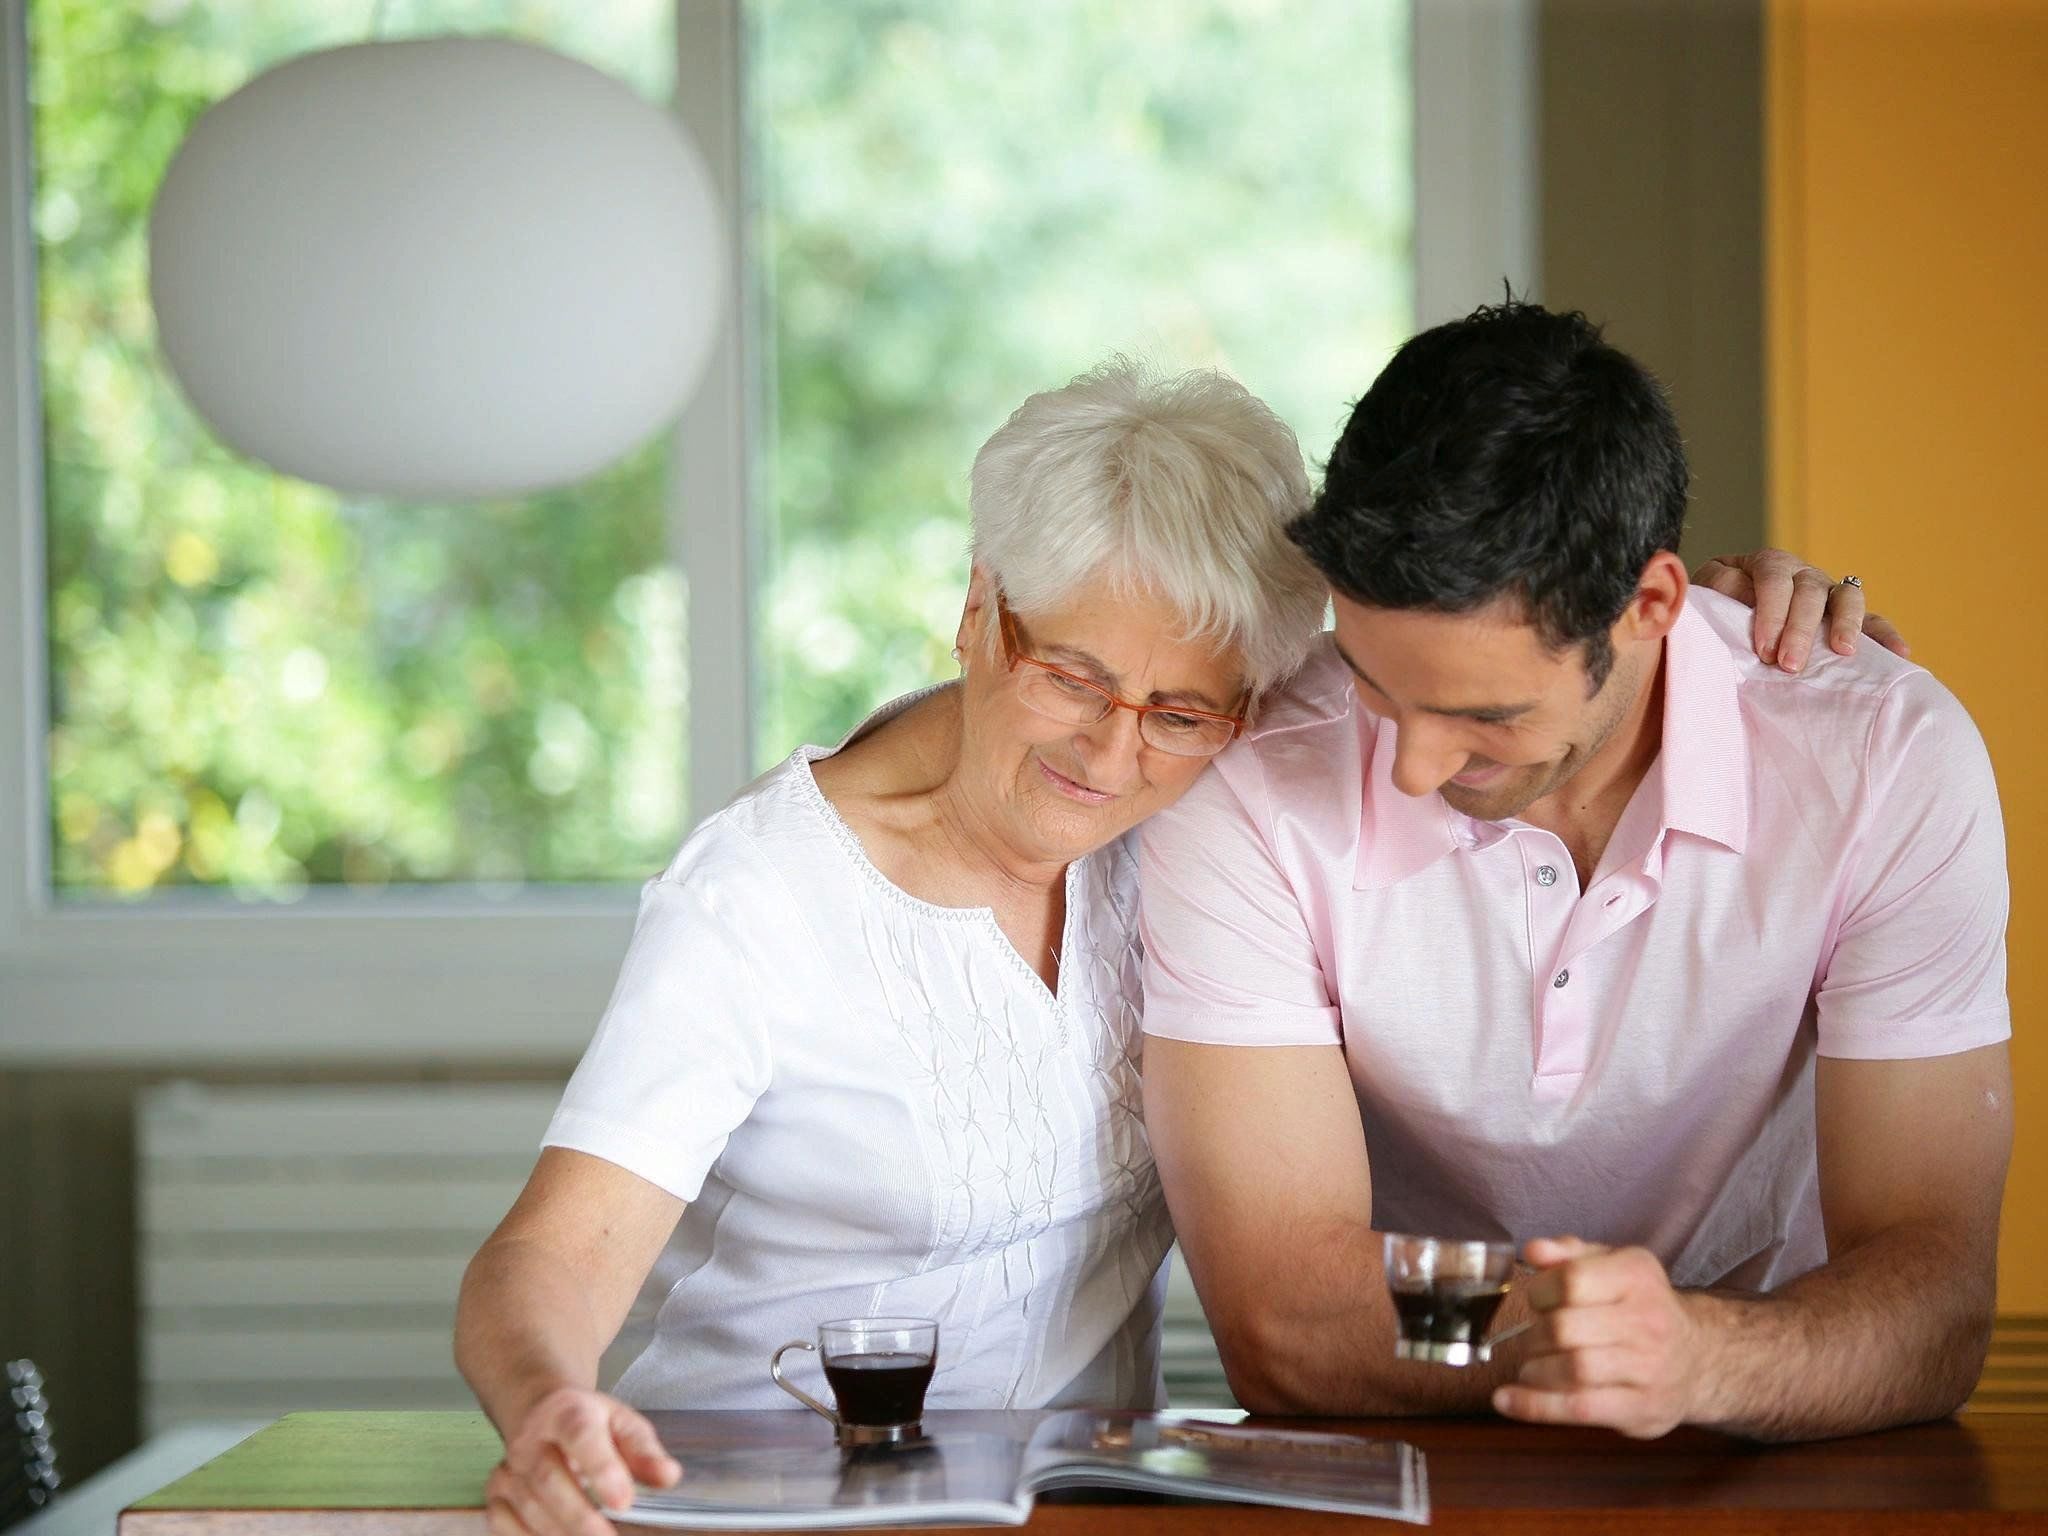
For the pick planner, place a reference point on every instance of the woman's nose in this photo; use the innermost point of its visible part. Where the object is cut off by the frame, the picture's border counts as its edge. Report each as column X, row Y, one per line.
column 1109, row 750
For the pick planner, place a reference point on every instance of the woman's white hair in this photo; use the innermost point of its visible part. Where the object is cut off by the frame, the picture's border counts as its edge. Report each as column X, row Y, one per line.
column 1183, row 486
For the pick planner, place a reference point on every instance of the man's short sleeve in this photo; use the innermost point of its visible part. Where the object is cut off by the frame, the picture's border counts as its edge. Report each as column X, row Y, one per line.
column 1229, row 954
column 1918, row 963
column 682, row 1052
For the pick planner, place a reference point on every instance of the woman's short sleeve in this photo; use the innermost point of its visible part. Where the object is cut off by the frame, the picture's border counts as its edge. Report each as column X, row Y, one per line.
column 682, row 1052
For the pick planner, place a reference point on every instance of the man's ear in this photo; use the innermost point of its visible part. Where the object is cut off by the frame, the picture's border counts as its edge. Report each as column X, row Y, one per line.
column 1659, row 600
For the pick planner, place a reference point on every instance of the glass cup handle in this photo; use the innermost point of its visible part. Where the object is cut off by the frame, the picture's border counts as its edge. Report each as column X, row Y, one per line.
column 1521, row 1271
column 795, row 1391
column 1504, row 1335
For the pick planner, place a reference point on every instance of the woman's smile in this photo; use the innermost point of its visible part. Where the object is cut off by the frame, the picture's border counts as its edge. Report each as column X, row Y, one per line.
column 1073, row 789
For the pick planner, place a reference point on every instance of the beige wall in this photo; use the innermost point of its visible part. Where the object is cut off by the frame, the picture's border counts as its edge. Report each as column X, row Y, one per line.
column 1652, row 206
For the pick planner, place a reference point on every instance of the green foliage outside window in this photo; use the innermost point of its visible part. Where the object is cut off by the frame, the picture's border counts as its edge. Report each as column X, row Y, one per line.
column 257, row 683
column 965, row 201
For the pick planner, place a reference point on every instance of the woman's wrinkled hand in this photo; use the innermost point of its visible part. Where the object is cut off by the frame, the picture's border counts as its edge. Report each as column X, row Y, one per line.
column 1793, row 600
column 573, row 1446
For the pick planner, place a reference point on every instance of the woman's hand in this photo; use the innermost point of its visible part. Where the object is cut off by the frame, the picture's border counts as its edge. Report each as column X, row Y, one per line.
column 573, row 1445
column 1792, row 600
column 541, row 1299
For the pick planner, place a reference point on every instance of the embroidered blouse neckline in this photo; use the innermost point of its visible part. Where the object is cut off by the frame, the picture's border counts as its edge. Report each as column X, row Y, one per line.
column 799, row 764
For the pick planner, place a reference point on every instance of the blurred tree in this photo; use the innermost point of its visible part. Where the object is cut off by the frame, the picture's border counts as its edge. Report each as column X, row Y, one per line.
column 966, row 201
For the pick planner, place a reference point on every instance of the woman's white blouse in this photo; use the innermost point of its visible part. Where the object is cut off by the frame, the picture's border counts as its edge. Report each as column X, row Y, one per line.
column 872, row 1105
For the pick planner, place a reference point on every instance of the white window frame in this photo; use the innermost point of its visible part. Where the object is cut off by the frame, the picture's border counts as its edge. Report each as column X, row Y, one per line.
column 425, row 974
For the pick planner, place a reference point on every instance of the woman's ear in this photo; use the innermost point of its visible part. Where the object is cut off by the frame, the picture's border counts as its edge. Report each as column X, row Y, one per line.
column 977, row 618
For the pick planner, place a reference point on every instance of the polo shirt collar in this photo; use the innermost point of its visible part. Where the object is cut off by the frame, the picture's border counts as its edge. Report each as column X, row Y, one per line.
column 1703, row 761
column 1398, row 834
column 1702, row 771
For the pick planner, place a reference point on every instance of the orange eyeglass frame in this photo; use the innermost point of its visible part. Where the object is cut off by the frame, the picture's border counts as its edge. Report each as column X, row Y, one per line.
column 1014, row 653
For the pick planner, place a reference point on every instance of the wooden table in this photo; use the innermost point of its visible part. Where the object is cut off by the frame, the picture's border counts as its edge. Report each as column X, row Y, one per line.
column 422, row 1474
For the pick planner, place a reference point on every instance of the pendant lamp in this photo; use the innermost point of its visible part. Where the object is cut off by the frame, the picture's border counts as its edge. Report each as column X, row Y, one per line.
column 440, row 268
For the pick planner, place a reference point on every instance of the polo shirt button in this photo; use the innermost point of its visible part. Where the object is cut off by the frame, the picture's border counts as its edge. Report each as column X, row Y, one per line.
column 1560, row 978
column 1545, row 875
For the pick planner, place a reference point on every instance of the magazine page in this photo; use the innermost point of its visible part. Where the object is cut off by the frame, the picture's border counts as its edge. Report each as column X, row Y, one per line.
column 943, row 1479
column 1193, row 1458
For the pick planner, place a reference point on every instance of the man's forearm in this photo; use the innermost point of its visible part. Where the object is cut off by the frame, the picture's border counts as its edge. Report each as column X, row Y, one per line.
column 1891, row 1332
column 523, row 1328
column 1320, row 1340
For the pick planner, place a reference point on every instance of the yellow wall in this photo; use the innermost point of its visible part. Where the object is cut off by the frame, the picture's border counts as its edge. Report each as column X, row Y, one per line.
column 1908, row 369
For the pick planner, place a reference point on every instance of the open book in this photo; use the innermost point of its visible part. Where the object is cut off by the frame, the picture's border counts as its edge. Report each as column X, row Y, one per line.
column 966, row 1477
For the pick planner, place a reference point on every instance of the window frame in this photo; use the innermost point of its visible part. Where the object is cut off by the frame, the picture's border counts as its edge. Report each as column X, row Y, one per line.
column 460, row 975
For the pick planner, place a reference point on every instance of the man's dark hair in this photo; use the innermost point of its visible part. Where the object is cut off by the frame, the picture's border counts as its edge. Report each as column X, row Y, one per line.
column 1512, row 453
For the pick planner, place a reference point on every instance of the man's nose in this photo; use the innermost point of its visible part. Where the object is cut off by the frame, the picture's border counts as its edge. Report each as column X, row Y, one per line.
column 1425, row 759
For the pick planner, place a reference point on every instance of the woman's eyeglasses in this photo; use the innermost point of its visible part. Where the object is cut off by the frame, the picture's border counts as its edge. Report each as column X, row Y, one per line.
column 1060, row 695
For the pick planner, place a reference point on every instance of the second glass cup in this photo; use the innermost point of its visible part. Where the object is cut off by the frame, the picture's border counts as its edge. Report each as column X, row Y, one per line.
column 1445, row 1295
column 878, row 1369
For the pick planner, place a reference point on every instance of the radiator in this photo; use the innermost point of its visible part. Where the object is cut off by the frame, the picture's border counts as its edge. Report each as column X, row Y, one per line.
column 2015, row 1376
column 1194, row 1371
column 301, row 1247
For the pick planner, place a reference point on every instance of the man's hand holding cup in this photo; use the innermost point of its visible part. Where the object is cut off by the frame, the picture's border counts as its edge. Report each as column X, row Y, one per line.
column 1614, row 1342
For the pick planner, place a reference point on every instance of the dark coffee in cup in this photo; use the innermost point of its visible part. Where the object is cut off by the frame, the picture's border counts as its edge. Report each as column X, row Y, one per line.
column 883, row 1388
column 1446, row 1292
column 1446, row 1311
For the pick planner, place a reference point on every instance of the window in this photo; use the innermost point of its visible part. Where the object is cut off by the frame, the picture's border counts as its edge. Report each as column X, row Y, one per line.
column 962, row 204
column 258, row 684
column 378, row 780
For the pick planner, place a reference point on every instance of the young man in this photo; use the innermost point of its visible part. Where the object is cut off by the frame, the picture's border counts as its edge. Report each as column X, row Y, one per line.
column 1538, row 908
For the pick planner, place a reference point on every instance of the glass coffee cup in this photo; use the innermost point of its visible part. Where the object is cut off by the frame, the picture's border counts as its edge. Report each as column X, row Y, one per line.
column 877, row 1368
column 1446, row 1293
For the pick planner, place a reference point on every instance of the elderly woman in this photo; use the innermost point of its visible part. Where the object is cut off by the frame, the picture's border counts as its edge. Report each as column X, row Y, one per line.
column 874, row 1045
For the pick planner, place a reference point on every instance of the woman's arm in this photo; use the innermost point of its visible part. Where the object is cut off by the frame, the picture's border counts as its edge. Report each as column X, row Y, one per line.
column 540, row 1301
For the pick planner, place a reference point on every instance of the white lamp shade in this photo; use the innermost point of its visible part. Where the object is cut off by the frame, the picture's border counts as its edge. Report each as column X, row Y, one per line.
column 440, row 268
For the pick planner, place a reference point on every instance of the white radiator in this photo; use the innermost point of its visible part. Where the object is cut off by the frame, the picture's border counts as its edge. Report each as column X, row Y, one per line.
column 301, row 1247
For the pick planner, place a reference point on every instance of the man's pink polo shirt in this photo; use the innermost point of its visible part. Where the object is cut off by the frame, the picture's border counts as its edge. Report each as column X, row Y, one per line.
column 1813, row 865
